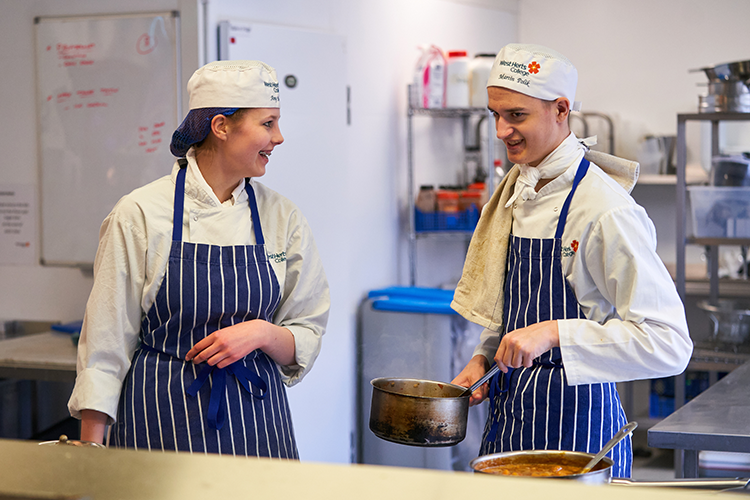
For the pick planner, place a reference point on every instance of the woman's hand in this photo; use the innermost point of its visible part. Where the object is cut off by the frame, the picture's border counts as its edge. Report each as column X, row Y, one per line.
column 230, row 344
column 520, row 347
column 474, row 370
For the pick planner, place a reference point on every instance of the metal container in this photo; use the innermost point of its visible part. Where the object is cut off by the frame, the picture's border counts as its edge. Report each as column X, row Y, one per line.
column 730, row 319
column 418, row 412
column 727, row 88
column 725, row 96
column 601, row 474
column 731, row 170
column 64, row 441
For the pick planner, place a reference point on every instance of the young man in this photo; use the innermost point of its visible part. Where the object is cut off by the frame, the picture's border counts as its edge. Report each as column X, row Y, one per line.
column 563, row 273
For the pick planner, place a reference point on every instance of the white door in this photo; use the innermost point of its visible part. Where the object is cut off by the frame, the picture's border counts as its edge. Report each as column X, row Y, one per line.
column 311, row 70
column 309, row 169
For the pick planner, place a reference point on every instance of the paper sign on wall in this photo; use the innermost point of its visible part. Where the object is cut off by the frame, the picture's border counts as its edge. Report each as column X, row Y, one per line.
column 18, row 233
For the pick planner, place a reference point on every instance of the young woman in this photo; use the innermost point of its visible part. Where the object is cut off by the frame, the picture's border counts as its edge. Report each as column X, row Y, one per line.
column 209, row 295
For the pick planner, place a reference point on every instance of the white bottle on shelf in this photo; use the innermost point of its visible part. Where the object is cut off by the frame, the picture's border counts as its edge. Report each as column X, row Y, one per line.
column 457, row 90
column 480, row 68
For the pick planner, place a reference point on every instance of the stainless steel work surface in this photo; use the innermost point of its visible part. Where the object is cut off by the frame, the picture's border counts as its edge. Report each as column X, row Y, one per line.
column 31, row 471
column 717, row 419
column 42, row 356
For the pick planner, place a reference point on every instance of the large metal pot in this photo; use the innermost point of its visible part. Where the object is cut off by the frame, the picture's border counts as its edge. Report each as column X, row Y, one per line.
column 601, row 473
column 418, row 412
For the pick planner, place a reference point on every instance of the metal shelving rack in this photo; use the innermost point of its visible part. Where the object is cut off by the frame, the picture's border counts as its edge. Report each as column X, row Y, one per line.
column 703, row 358
column 465, row 114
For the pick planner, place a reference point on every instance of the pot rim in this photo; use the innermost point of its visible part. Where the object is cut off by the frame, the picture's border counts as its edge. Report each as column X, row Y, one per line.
column 64, row 441
column 507, row 454
column 408, row 380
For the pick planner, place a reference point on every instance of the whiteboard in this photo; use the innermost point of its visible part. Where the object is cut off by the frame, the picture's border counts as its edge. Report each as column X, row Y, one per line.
column 108, row 100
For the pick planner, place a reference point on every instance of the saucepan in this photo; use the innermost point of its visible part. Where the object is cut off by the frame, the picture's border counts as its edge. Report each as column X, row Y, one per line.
column 553, row 464
column 421, row 412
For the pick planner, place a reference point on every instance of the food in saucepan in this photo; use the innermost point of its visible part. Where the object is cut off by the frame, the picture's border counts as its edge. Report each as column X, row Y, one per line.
column 535, row 465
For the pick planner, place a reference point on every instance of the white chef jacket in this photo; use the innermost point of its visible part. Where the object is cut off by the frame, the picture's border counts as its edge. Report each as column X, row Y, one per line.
column 134, row 246
column 636, row 326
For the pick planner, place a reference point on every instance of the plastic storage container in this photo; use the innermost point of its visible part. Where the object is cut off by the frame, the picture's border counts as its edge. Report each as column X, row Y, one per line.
column 426, row 198
column 720, row 212
column 479, row 69
column 457, row 87
column 464, row 221
column 412, row 332
column 447, row 201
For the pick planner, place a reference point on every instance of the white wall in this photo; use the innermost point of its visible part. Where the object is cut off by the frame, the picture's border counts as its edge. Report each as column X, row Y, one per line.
column 382, row 38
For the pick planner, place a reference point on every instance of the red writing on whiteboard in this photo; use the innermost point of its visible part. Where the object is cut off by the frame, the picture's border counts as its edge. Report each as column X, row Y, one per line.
column 86, row 62
column 96, row 105
column 109, row 91
column 63, row 96
column 152, row 145
column 69, row 63
column 74, row 51
column 85, row 93
column 145, row 44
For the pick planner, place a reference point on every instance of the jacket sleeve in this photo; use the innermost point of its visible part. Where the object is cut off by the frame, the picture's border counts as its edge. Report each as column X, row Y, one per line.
column 111, row 324
column 305, row 300
column 636, row 326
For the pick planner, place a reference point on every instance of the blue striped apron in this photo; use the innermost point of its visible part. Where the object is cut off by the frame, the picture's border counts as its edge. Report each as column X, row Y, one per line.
column 534, row 408
column 168, row 403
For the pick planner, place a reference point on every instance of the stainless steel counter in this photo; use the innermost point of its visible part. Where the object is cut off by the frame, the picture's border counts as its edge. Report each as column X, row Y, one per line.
column 718, row 419
column 30, row 471
column 42, row 356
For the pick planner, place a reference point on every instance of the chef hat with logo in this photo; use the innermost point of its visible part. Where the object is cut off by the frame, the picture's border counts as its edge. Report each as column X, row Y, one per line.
column 223, row 87
column 535, row 71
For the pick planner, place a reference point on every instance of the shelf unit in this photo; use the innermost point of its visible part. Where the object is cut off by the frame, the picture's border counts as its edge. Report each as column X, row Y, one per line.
column 465, row 115
column 714, row 287
column 704, row 358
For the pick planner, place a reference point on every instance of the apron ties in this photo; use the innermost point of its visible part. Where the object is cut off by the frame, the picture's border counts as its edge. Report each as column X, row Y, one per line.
column 535, row 408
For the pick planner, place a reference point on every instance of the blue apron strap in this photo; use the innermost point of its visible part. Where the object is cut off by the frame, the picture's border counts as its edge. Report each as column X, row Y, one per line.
column 217, row 402
column 583, row 167
column 254, row 211
column 179, row 200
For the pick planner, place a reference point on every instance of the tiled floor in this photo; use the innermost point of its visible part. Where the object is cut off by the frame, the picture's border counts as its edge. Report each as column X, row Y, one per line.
column 658, row 465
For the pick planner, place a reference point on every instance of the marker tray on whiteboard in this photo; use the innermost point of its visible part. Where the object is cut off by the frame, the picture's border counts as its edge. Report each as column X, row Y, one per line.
column 464, row 221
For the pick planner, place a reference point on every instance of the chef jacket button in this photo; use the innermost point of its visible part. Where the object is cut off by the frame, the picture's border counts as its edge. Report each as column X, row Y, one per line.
column 195, row 217
column 515, row 205
column 554, row 209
